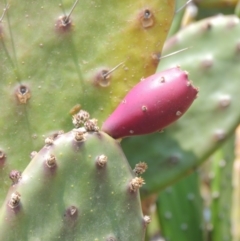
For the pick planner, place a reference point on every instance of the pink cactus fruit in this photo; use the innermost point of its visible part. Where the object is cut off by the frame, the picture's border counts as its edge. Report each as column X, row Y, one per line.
column 152, row 104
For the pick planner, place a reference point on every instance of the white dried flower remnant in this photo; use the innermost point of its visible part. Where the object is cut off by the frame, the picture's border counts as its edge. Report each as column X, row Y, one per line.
column 49, row 141
column 79, row 136
column 147, row 220
column 101, row 160
column 14, row 200
column 51, row 161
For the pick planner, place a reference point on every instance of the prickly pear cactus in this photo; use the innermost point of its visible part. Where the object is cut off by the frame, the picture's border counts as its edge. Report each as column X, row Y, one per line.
column 79, row 186
column 58, row 56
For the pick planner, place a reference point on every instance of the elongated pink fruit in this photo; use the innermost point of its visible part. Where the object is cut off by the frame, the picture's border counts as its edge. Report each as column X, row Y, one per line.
column 152, row 104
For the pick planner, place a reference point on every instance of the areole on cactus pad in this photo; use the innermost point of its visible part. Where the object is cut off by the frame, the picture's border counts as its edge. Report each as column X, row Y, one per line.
column 152, row 104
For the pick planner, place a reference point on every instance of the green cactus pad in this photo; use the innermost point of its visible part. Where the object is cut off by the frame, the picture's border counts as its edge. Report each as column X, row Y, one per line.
column 221, row 191
column 78, row 187
column 48, row 65
column 179, row 209
column 214, row 68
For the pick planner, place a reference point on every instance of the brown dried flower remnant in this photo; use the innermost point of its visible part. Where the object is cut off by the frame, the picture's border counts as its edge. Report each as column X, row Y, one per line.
column 136, row 183
column 91, row 125
column 51, row 161
column 14, row 200
column 15, row 176
column 80, row 118
column 140, row 168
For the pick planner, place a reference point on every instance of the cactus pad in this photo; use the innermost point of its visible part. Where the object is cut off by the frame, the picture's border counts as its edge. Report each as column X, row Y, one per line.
column 75, row 189
column 179, row 209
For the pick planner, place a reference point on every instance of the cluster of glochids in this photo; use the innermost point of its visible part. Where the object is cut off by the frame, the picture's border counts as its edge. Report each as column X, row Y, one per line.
column 83, row 124
column 82, row 119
